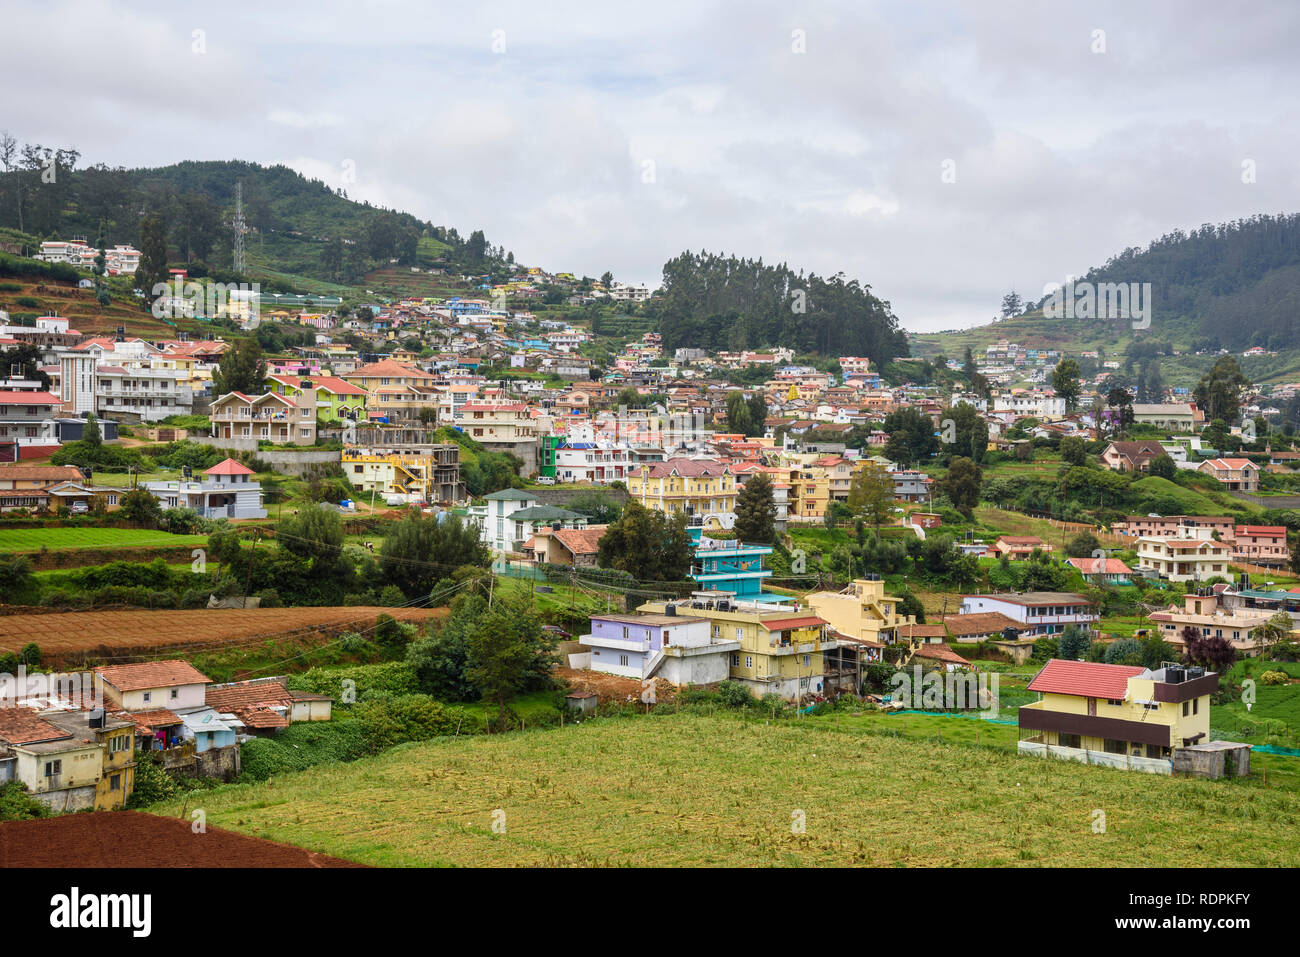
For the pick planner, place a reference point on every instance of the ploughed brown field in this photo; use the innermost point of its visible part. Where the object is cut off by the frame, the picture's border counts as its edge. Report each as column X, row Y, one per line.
column 66, row 635
column 133, row 839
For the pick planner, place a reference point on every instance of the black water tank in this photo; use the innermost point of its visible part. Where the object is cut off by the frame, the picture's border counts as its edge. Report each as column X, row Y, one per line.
column 1175, row 676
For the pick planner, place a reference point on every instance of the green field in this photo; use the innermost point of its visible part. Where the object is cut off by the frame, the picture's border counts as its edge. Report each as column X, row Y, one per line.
column 57, row 539
column 682, row 789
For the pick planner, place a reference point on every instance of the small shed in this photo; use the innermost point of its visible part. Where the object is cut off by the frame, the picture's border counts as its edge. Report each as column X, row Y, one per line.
column 582, row 702
column 1217, row 759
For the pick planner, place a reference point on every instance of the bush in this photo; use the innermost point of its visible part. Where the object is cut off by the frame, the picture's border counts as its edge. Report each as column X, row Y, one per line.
column 734, row 694
column 152, row 783
column 1274, row 678
column 17, row 805
column 388, row 678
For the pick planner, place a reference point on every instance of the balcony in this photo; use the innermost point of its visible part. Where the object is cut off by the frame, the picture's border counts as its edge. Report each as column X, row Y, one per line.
column 638, row 645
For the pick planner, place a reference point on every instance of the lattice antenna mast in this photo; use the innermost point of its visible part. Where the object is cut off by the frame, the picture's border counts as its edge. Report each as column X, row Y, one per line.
column 237, row 254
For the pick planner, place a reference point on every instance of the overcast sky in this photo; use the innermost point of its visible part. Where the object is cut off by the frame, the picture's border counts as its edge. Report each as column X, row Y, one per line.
column 594, row 136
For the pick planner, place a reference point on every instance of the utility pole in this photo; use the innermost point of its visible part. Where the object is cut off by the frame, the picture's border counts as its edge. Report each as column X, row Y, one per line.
column 252, row 556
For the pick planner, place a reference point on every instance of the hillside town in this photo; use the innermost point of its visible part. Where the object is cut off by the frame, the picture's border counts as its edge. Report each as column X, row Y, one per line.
column 653, row 438
column 803, row 491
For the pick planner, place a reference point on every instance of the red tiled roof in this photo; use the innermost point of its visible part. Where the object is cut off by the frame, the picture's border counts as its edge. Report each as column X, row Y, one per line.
column 152, row 720
column 325, row 383
column 261, row 718
column 41, row 473
column 24, row 726
column 1086, row 679
column 687, row 468
column 18, row 397
column 152, row 674
column 580, row 541
column 980, row 623
column 228, row 467
column 1100, row 566
column 940, row 652
column 247, row 694
column 1270, row 531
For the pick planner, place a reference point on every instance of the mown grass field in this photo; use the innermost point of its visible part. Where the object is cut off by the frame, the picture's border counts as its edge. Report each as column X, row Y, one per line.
column 34, row 539
column 706, row 790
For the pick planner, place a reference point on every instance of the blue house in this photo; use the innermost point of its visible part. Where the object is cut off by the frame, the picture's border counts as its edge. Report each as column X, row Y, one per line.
column 733, row 567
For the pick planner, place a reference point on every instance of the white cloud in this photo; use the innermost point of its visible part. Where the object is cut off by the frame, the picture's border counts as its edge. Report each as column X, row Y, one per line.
column 828, row 160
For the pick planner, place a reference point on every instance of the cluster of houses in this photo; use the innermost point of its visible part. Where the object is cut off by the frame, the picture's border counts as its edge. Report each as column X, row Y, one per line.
column 117, row 379
column 75, row 739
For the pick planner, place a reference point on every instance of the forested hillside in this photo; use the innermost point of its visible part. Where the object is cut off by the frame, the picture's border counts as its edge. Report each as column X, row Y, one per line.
column 718, row 302
column 1231, row 286
column 298, row 227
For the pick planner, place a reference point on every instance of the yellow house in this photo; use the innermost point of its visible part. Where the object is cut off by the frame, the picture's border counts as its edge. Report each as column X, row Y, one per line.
column 810, row 493
column 389, row 473
column 68, row 759
column 1118, row 712
column 704, row 489
column 781, row 649
column 862, row 611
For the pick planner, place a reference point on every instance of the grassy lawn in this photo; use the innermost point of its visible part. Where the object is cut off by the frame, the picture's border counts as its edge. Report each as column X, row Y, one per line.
column 683, row 789
column 1017, row 523
column 55, row 539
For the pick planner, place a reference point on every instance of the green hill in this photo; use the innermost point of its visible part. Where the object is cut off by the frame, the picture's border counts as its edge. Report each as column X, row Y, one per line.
column 1230, row 286
column 303, row 235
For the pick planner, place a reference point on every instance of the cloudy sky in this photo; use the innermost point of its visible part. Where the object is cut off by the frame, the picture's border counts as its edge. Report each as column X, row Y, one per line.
column 942, row 152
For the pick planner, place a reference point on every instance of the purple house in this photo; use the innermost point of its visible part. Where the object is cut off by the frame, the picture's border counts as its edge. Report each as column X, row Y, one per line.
column 639, row 646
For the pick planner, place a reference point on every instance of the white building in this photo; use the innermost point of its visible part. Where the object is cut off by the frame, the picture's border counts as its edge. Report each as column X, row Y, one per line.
column 629, row 292
column 226, row 492
column 1041, row 612
column 1193, row 555
column 1040, row 405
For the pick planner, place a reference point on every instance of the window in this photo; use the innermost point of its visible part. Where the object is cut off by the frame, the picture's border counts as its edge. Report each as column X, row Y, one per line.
column 1116, row 702
column 147, row 696
column 176, row 693
column 1068, row 740
column 1187, row 708
column 52, row 768
column 622, row 660
column 740, row 633
column 807, row 661
column 749, row 661
column 1114, row 747
column 1196, row 705
column 735, row 661
column 115, row 782
column 1150, row 706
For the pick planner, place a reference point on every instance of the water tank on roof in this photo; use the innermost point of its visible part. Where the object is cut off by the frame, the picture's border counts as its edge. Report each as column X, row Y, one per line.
column 1175, row 676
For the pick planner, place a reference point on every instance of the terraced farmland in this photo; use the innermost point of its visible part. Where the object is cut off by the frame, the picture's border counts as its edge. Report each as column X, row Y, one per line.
column 70, row 636
column 682, row 789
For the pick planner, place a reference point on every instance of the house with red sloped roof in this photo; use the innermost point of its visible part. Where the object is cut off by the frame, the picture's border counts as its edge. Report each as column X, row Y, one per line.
column 1236, row 475
column 1123, row 716
column 244, row 420
column 938, row 655
column 227, row 490
column 150, row 685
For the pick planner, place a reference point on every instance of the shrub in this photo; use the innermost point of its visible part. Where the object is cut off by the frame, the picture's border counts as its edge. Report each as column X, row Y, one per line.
column 152, row 783
column 388, row 678
column 734, row 694
column 17, row 805
column 1274, row 678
